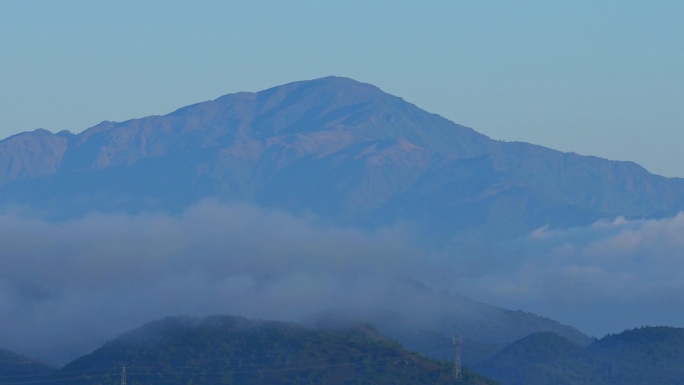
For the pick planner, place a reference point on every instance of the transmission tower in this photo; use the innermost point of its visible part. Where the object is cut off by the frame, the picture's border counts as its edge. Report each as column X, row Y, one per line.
column 458, row 343
column 123, row 374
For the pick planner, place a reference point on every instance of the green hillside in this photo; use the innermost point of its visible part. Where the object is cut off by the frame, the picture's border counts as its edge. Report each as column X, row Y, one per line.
column 230, row 350
column 234, row 350
column 650, row 355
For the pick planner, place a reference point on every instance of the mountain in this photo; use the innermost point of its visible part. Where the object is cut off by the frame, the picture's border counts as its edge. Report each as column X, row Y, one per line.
column 19, row 369
column 540, row 358
column 427, row 321
column 31, row 155
column 638, row 356
column 339, row 148
column 343, row 152
column 649, row 355
column 233, row 350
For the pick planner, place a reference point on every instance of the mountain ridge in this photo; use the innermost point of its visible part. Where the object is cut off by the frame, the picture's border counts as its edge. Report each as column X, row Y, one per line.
column 342, row 149
column 230, row 350
column 639, row 356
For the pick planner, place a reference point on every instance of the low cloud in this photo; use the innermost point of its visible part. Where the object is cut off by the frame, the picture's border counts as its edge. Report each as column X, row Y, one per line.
column 65, row 287
column 68, row 285
column 602, row 278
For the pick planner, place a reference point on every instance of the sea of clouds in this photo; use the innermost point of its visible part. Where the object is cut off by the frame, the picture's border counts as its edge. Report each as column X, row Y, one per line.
column 67, row 286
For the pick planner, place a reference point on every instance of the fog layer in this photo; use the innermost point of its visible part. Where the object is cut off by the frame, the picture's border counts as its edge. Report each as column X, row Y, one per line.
column 603, row 278
column 71, row 284
column 66, row 287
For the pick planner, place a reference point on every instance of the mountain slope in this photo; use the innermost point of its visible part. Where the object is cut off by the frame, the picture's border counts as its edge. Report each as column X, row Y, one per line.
column 540, row 358
column 19, row 369
column 644, row 355
column 426, row 315
column 31, row 155
column 232, row 350
column 650, row 355
column 342, row 149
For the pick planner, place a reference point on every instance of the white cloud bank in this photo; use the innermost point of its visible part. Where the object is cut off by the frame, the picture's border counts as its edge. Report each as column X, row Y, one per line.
column 602, row 278
column 69, row 285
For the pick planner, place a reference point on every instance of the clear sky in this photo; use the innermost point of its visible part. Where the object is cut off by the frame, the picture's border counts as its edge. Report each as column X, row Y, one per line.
column 599, row 78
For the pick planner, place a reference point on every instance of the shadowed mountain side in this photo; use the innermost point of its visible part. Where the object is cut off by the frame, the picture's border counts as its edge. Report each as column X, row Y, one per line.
column 427, row 321
column 650, row 355
column 342, row 149
column 542, row 358
column 19, row 369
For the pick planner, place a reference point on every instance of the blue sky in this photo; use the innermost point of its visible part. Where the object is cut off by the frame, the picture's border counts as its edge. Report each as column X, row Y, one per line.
column 595, row 77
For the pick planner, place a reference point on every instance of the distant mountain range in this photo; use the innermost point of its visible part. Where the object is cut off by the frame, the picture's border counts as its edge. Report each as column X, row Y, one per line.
column 651, row 355
column 339, row 148
column 228, row 350
column 426, row 317
column 351, row 155
column 233, row 350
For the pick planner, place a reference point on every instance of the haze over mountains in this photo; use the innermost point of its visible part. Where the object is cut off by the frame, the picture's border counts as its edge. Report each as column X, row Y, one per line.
column 224, row 349
column 231, row 350
column 317, row 196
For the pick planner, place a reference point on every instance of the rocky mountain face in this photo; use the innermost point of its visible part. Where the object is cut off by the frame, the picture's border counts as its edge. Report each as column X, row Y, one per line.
column 339, row 148
column 351, row 155
column 31, row 155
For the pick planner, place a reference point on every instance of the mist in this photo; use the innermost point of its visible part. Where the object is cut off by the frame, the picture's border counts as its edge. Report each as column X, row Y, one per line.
column 67, row 287
column 603, row 278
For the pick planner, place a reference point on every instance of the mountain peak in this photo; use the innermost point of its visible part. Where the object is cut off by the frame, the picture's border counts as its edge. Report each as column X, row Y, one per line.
column 30, row 155
column 381, row 157
column 337, row 82
column 234, row 350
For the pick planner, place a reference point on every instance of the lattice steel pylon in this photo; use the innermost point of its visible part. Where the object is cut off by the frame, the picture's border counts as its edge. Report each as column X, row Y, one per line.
column 123, row 374
column 458, row 344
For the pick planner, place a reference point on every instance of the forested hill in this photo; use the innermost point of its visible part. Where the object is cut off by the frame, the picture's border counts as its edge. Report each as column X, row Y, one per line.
column 650, row 355
column 231, row 350
column 19, row 369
